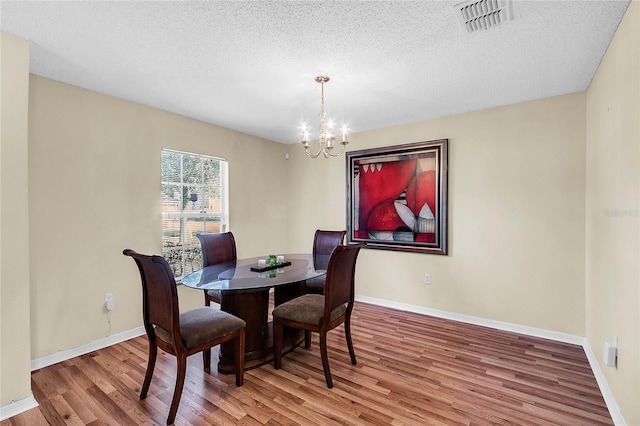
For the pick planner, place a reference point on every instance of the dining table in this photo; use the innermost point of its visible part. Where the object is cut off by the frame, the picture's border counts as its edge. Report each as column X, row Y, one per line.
column 245, row 288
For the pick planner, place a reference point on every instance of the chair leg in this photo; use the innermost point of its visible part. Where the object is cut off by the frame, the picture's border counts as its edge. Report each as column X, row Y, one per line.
column 325, row 358
column 177, row 393
column 307, row 339
column 151, row 363
column 347, row 333
column 206, row 357
column 277, row 343
column 239, row 357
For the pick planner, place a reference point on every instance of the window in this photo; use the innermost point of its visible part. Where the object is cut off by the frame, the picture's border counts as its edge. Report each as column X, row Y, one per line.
column 194, row 200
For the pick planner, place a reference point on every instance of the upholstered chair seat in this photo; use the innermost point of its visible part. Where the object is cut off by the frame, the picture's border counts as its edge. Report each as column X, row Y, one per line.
column 201, row 325
column 307, row 309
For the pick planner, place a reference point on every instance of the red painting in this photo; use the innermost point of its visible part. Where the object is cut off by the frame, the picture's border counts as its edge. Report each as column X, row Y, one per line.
column 396, row 196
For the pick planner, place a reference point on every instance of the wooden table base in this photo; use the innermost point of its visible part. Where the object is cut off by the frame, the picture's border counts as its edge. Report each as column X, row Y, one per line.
column 253, row 307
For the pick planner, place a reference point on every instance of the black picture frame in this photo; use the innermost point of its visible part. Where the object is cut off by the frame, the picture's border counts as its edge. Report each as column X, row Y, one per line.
column 397, row 197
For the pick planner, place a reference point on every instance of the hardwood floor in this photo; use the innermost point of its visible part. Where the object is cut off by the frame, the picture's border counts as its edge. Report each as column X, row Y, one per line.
column 412, row 370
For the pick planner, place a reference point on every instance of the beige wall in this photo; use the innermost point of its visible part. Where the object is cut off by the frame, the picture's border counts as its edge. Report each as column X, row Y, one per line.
column 516, row 215
column 520, row 177
column 94, row 189
column 15, row 383
column 612, row 212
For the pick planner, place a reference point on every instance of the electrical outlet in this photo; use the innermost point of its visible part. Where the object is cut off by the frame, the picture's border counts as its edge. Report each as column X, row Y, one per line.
column 611, row 353
column 108, row 301
column 427, row 278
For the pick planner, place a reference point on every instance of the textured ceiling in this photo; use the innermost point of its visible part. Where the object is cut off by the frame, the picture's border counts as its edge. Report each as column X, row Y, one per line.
column 251, row 65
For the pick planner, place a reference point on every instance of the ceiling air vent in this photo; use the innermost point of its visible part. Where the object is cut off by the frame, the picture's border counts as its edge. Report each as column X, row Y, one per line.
column 483, row 14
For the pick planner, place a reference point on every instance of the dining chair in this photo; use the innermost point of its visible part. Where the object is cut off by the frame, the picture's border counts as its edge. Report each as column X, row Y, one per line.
column 181, row 334
column 216, row 248
column 323, row 244
column 321, row 313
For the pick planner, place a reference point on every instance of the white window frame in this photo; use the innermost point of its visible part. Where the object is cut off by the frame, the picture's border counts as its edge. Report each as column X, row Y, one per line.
column 222, row 216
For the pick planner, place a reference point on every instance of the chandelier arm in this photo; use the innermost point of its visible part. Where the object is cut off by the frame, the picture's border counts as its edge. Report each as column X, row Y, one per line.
column 335, row 154
column 309, row 154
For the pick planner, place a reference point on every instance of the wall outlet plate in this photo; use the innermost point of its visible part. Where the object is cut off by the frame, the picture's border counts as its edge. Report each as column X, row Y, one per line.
column 108, row 301
column 610, row 354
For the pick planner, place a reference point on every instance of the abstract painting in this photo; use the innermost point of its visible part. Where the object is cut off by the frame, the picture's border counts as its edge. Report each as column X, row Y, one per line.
column 397, row 197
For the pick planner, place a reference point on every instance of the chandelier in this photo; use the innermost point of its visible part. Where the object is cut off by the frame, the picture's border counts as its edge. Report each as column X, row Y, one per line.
column 326, row 139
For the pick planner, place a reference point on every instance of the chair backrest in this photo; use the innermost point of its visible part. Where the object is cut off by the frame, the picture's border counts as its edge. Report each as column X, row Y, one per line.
column 339, row 285
column 159, row 294
column 323, row 244
column 217, row 248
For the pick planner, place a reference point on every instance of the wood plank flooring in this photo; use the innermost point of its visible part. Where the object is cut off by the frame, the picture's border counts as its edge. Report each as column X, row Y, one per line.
column 412, row 370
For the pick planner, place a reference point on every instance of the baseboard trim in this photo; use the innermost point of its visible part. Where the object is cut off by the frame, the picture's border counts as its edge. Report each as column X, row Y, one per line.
column 505, row 326
column 60, row 356
column 612, row 405
column 609, row 399
column 17, row 407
